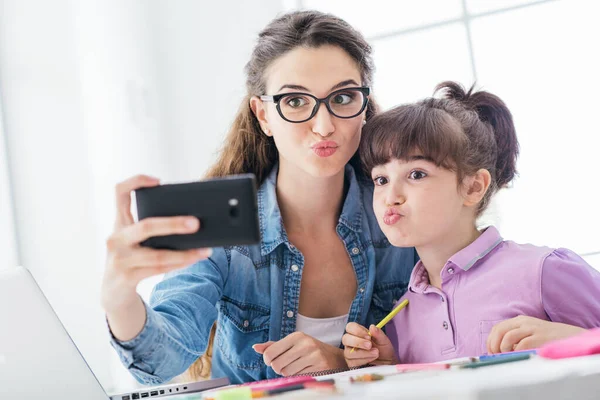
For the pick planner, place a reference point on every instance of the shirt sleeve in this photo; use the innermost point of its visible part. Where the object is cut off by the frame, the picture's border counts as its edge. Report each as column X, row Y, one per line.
column 570, row 289
column 178, row 321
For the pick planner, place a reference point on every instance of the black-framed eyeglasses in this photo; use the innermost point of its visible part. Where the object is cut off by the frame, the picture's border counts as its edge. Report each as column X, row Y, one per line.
column 299, row 107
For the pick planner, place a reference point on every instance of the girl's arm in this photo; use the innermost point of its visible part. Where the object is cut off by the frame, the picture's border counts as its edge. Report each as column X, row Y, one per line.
column 570, row 291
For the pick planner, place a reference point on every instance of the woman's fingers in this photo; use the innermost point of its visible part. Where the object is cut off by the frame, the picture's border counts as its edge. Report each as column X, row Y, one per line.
column 123, row 197
column 301, row 364
column 147, row 257
column 278, row 348
column 134, row 234
column 261, row 347
column 284, row 360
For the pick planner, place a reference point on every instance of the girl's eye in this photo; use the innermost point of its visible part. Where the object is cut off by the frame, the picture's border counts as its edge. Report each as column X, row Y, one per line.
column 417, row 175
column 380, row 180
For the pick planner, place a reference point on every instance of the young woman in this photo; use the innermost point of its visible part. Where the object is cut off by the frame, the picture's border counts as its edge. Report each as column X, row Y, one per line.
column 436, row 164
column 280, row 307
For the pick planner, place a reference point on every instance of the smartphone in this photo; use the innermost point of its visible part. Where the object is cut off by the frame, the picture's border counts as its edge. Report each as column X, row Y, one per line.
column 226, row 207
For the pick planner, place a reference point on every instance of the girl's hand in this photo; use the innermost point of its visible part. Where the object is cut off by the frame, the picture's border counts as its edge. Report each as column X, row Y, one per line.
column 524, row 333
column 375, row 349
column 299, row 353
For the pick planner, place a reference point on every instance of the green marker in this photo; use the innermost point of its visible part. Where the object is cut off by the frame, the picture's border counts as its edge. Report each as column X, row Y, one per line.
column 501, row 360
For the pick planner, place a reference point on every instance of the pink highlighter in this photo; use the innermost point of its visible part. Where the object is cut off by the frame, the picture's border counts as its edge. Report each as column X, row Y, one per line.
column 278, row 383
column 584, row 344
column 421, row 367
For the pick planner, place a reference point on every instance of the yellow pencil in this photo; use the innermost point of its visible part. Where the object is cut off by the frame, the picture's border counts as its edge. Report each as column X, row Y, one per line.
column 388, row 317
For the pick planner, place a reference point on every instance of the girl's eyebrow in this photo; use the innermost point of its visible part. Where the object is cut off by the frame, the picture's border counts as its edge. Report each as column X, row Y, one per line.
column 420, row 158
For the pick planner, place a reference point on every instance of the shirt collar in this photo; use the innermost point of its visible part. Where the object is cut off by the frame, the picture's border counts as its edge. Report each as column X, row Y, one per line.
column 486, row 242
column 463, row 260
column 271, row 224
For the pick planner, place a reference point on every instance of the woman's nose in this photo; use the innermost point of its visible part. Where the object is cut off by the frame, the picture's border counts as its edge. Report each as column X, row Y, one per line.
column 323, row 123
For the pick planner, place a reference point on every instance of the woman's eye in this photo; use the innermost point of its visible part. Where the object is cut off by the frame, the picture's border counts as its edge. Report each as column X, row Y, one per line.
column 342, row 99
column 295, row 102
column 380, row 180
column 417, row 175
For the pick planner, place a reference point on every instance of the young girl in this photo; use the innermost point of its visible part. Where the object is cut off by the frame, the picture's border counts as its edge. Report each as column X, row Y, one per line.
column 436, row 165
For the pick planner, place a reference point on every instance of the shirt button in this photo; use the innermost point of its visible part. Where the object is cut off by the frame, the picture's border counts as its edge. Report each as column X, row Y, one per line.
column 295, row 268
column 450, row 270
column 362, row 289
column 445, row 325
column 442, row 298
column 290, row 314
column 246, row 323
column 355, row 251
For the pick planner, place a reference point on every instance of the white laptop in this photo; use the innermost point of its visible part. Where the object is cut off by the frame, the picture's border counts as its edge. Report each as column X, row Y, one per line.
column 38, row 359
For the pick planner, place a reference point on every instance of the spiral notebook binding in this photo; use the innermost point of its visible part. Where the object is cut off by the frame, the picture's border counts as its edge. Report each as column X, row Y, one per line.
column 333, row 371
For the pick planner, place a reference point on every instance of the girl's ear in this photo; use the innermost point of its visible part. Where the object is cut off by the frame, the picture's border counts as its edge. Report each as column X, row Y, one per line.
column 475, row 187
column 259, row 110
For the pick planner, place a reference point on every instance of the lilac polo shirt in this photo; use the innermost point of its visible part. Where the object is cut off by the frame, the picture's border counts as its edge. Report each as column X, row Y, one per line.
column 489, row 281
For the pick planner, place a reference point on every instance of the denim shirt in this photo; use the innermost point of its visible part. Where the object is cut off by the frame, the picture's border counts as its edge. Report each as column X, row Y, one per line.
column 253, row 292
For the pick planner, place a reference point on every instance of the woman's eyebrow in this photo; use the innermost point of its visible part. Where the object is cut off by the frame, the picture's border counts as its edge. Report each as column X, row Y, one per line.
column 339, row 85
column 344, row 83
column 295, row 87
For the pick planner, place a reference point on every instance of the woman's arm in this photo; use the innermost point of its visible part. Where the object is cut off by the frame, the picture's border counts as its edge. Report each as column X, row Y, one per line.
column 133, row 325
column 178, row 323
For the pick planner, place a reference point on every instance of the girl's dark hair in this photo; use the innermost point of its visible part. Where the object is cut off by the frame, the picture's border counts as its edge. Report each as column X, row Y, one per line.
column 463, row 131
column 246, row 149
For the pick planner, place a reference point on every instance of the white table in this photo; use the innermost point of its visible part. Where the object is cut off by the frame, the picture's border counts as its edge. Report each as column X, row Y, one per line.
column 536, row 378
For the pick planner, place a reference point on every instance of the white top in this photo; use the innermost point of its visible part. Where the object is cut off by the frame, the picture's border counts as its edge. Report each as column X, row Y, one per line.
column 327, row 330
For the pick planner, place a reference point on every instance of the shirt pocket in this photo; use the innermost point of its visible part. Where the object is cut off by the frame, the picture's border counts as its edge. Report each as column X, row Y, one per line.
column 239, row 327
column 485, row 327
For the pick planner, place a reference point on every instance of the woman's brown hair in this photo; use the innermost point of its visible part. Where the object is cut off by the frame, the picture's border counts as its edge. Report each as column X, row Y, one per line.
column 463, row 131
column 246, row 148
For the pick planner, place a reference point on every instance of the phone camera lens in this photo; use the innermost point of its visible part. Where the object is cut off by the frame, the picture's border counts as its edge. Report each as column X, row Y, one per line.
column 233, row 208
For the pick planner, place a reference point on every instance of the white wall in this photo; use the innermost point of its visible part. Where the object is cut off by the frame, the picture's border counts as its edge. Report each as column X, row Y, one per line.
column 50, row 167
column 200, row 54
column 8, row 242
column 93, row 92
column 533, row 54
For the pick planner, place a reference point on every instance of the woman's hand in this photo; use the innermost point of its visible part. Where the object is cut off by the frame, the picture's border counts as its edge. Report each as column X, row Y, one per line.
column 299, row 353
column 128, row 263
column 361, row 349
column 524, row 333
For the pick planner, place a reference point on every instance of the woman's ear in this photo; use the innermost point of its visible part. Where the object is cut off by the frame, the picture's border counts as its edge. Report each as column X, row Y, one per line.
column 475, row 187
column 260, row 112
